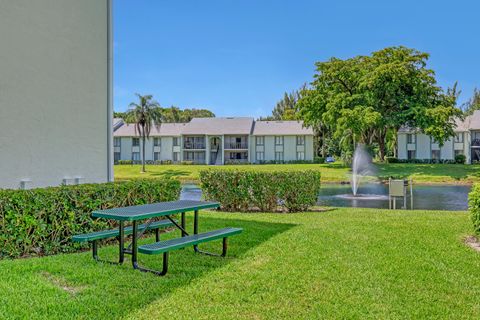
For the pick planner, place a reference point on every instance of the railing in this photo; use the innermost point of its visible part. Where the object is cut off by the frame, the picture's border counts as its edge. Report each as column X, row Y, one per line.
column 476, row 142
column 236, row 145
column 191, row 145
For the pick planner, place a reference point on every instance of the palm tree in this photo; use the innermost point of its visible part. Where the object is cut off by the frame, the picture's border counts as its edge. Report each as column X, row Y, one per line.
column 145, row 113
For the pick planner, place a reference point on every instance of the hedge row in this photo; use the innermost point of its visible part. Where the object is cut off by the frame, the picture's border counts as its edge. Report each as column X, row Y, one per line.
column 242, row 190
column 459, row 159
column 474, row 207
column 42, row 221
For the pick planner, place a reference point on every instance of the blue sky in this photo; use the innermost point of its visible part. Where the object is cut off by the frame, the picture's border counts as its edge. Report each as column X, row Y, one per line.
column 237, row 58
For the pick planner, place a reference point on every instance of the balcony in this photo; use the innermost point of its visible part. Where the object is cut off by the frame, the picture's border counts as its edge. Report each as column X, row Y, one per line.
column 191, row 146
column 236, row 145
column 476, row 143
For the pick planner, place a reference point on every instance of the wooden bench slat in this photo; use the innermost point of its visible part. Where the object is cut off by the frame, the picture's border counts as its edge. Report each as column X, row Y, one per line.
column 178, row 243
column 105, row 234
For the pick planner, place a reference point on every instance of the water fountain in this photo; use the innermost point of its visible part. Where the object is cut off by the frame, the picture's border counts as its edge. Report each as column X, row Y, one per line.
column 362, row 166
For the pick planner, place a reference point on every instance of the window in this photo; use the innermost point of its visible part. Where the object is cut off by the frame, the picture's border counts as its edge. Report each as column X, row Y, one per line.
column 156, row 156
column 278, row 156
column 259, row 141
column 156, row 142
column 116, row 142
column 278, row 140
column 116, row 156
column 175, row 156
column 135, row 142
column 411, row 138
column 300, row 140
column 176, row 142
column 300, row 155
column 458, row 152
column 458, row 137
column 260, row 156
column 411, row 154
column 435, row 154
column 136, row 156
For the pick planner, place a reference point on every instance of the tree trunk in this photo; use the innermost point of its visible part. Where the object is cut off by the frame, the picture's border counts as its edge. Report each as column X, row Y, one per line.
column 143, row 149
column 381, row 144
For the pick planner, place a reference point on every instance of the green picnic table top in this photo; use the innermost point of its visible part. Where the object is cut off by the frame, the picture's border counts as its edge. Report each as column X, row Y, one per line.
column 153, row 210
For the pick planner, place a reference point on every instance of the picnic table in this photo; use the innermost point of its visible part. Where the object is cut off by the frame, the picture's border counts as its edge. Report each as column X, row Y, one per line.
column 148, row 212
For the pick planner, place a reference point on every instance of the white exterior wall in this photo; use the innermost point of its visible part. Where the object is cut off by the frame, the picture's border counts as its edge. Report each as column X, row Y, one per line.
column 126, row 148
column 423, row 146
column 402, row 146
column 309, row 148
column 55, row 94
column 446, row 151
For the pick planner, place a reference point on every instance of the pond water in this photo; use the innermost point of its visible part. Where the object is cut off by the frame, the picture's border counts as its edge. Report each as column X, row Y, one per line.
column 374, row 195
column 430, row 197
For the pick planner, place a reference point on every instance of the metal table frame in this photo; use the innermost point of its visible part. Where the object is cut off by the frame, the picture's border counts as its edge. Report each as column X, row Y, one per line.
column 150, row 211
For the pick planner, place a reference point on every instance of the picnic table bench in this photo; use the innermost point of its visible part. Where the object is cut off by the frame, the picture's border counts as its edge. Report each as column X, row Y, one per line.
column 134, row 214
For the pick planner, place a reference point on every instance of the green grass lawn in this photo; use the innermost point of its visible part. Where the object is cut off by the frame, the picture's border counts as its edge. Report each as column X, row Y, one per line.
column 345, row 263
column 421, row 173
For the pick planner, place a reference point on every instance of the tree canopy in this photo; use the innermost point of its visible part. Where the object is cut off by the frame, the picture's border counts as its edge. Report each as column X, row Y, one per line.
column 172, row 114
column 363, row 98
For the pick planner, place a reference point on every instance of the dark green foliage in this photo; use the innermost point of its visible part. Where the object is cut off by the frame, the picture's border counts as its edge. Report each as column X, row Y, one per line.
column 391, row 160
column 43, row 221
column 241, row 190
column 460, row 159
column 474, row 207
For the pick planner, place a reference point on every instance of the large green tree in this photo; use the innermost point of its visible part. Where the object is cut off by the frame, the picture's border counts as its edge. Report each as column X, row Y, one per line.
column 473, row 103
column 365, row 98
column 146, row 113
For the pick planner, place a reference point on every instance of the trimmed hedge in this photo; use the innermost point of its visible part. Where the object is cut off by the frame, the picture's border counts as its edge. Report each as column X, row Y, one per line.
column 425, row 161
column 240, row 190
column 43, row 221
column 474, row 207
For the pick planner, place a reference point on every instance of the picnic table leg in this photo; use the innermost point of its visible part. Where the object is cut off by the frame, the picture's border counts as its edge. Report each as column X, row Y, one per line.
column 183, row 224
column 121, row 235
column 195, row 227
column 135, row 251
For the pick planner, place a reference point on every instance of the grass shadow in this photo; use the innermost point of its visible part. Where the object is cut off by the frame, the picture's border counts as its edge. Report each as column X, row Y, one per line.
column 111, row 291
column 171, row 173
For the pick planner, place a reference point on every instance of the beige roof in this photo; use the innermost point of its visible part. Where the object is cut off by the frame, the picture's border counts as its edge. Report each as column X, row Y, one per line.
column 165, row 129
column 266, row 128
column 471, row 122
column 219, row 126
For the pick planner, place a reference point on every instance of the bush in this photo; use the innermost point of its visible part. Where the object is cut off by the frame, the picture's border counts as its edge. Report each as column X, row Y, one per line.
column 240, row 190
column 124, row 162
column 460, row 158
column 43, row 221
column 319, row 160
column 391, row 160
column 474, row 207
column 187, row 162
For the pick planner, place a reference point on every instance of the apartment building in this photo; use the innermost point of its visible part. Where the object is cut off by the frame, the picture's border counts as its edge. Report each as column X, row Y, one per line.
column 413, row 144
column 218, row 141
column 55, row 92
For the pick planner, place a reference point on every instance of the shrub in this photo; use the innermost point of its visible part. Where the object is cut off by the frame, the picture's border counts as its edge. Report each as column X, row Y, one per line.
column 186, row 162
column 43, row 221
column 391, row 160
column 240, row 190
column 319, row 160
column 123, row 162
column 474, row 207
column 460, row 158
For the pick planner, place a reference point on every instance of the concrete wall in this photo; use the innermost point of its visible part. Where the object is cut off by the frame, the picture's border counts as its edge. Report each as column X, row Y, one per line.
column 54, row 92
